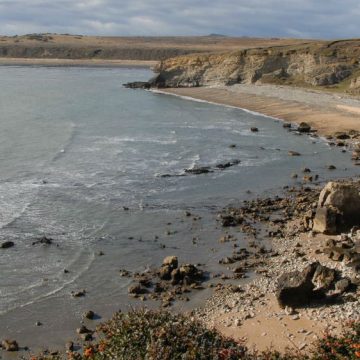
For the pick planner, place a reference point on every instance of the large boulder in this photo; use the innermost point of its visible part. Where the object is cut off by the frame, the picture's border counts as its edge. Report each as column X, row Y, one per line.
column 301, row 288
column 338, row 208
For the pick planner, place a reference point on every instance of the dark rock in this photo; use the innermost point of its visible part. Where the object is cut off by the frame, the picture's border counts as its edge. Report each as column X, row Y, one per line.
column 341, row 136
column 176, row 276
column 331, row 167
column 138, row 85
column 43, row 240
column 137, row 290
column 69, row 346
column 10, row 345
column 231, row 220
column 165, row 272
column 198, row 170
column 80, row 293
column 297, row 288
column 304, row 127
column 89, row 315
column 293, row 153
column 254, row 129
column 228, row 164
column 286, row 125
column 7, row 245
column 86, row 337
column 83, row 330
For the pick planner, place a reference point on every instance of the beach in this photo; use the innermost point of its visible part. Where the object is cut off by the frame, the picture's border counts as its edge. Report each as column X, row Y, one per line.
column 328, row 113
column 255, row 317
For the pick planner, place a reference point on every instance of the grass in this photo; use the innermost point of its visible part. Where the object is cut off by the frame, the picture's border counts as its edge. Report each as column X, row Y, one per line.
column 159, row 335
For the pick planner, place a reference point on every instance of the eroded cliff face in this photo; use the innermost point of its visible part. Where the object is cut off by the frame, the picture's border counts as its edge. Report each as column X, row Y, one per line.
column 322, row 64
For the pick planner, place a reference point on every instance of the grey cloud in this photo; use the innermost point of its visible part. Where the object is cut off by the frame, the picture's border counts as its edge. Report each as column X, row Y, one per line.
column 291, row 18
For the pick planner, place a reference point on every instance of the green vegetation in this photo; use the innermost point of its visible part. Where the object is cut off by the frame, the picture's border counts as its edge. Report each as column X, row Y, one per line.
column 155, row 335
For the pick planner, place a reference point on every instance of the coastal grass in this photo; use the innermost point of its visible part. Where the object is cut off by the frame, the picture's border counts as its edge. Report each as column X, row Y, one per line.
column 160, row 335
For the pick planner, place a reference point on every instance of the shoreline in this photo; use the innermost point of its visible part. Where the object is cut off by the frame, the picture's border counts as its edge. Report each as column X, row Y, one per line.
column 76, row 62
column 223, row 323
column 330, row 114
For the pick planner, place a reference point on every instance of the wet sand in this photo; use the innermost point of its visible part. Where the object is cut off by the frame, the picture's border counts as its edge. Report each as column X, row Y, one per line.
column 326, row 112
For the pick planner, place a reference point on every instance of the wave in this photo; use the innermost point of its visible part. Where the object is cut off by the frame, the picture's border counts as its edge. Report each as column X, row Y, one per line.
column 48, row 294
column 117, row 140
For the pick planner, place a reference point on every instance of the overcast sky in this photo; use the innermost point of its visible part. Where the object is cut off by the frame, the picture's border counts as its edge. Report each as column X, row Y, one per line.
column 270, row 18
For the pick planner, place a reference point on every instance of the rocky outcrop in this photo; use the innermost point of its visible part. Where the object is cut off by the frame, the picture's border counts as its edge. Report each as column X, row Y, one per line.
column 319, row 64
column 338, row 208
column 315, row 283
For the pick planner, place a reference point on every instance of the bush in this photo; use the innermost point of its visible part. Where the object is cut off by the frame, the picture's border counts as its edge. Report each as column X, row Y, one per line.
column 158, row 335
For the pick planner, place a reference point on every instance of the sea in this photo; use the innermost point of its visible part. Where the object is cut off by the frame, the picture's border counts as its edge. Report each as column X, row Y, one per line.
column 101, row 169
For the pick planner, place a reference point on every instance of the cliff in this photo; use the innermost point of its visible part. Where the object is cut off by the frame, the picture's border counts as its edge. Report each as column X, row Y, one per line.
column 321, row 64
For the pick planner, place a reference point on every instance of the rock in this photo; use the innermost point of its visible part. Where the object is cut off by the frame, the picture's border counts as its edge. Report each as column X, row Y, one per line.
column 43, row 240
column 137, row 290
column 10, row 345
column 69, row 346
column 304, row 127
column 338, row 208
column 165, row 272
column 83, row 330
column 286, row 125
column 171, row 261
column 89, row 315
column 341, row 136
column 296, row 288
column 138, row 85
column 80, row 293
column 198, row 170
column 342, row 285
column 293, row 153
column 228, row 164
column 7, row 245
column 323, row 277
column 86, row 337
column 331, row 167
column 254, row 129
column 175, row 276
column 38, row 323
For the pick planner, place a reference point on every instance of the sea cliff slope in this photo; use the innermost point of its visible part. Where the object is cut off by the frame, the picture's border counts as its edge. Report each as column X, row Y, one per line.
column 333, row 64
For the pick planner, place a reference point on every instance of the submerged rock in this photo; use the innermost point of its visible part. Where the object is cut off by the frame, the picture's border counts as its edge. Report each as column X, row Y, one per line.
column 7, row 245
column 198, row 170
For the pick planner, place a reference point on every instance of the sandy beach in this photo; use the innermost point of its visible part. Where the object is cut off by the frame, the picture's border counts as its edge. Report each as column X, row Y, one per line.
column 326, row 112
column 255, row 317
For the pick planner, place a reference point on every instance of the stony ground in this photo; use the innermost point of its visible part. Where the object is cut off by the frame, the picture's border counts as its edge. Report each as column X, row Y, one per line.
column 251, row 313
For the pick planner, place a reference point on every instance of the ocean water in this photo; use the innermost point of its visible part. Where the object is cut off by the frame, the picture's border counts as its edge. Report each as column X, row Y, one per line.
column 76, row 148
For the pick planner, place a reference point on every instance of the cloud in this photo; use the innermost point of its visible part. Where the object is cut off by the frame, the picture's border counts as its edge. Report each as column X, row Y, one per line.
column 283, row 18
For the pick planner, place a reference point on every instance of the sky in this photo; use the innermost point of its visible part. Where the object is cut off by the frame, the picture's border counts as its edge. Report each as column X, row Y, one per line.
column 327, row 19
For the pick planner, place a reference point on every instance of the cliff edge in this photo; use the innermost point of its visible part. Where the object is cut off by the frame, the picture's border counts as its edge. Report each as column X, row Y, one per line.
column 333, row 64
